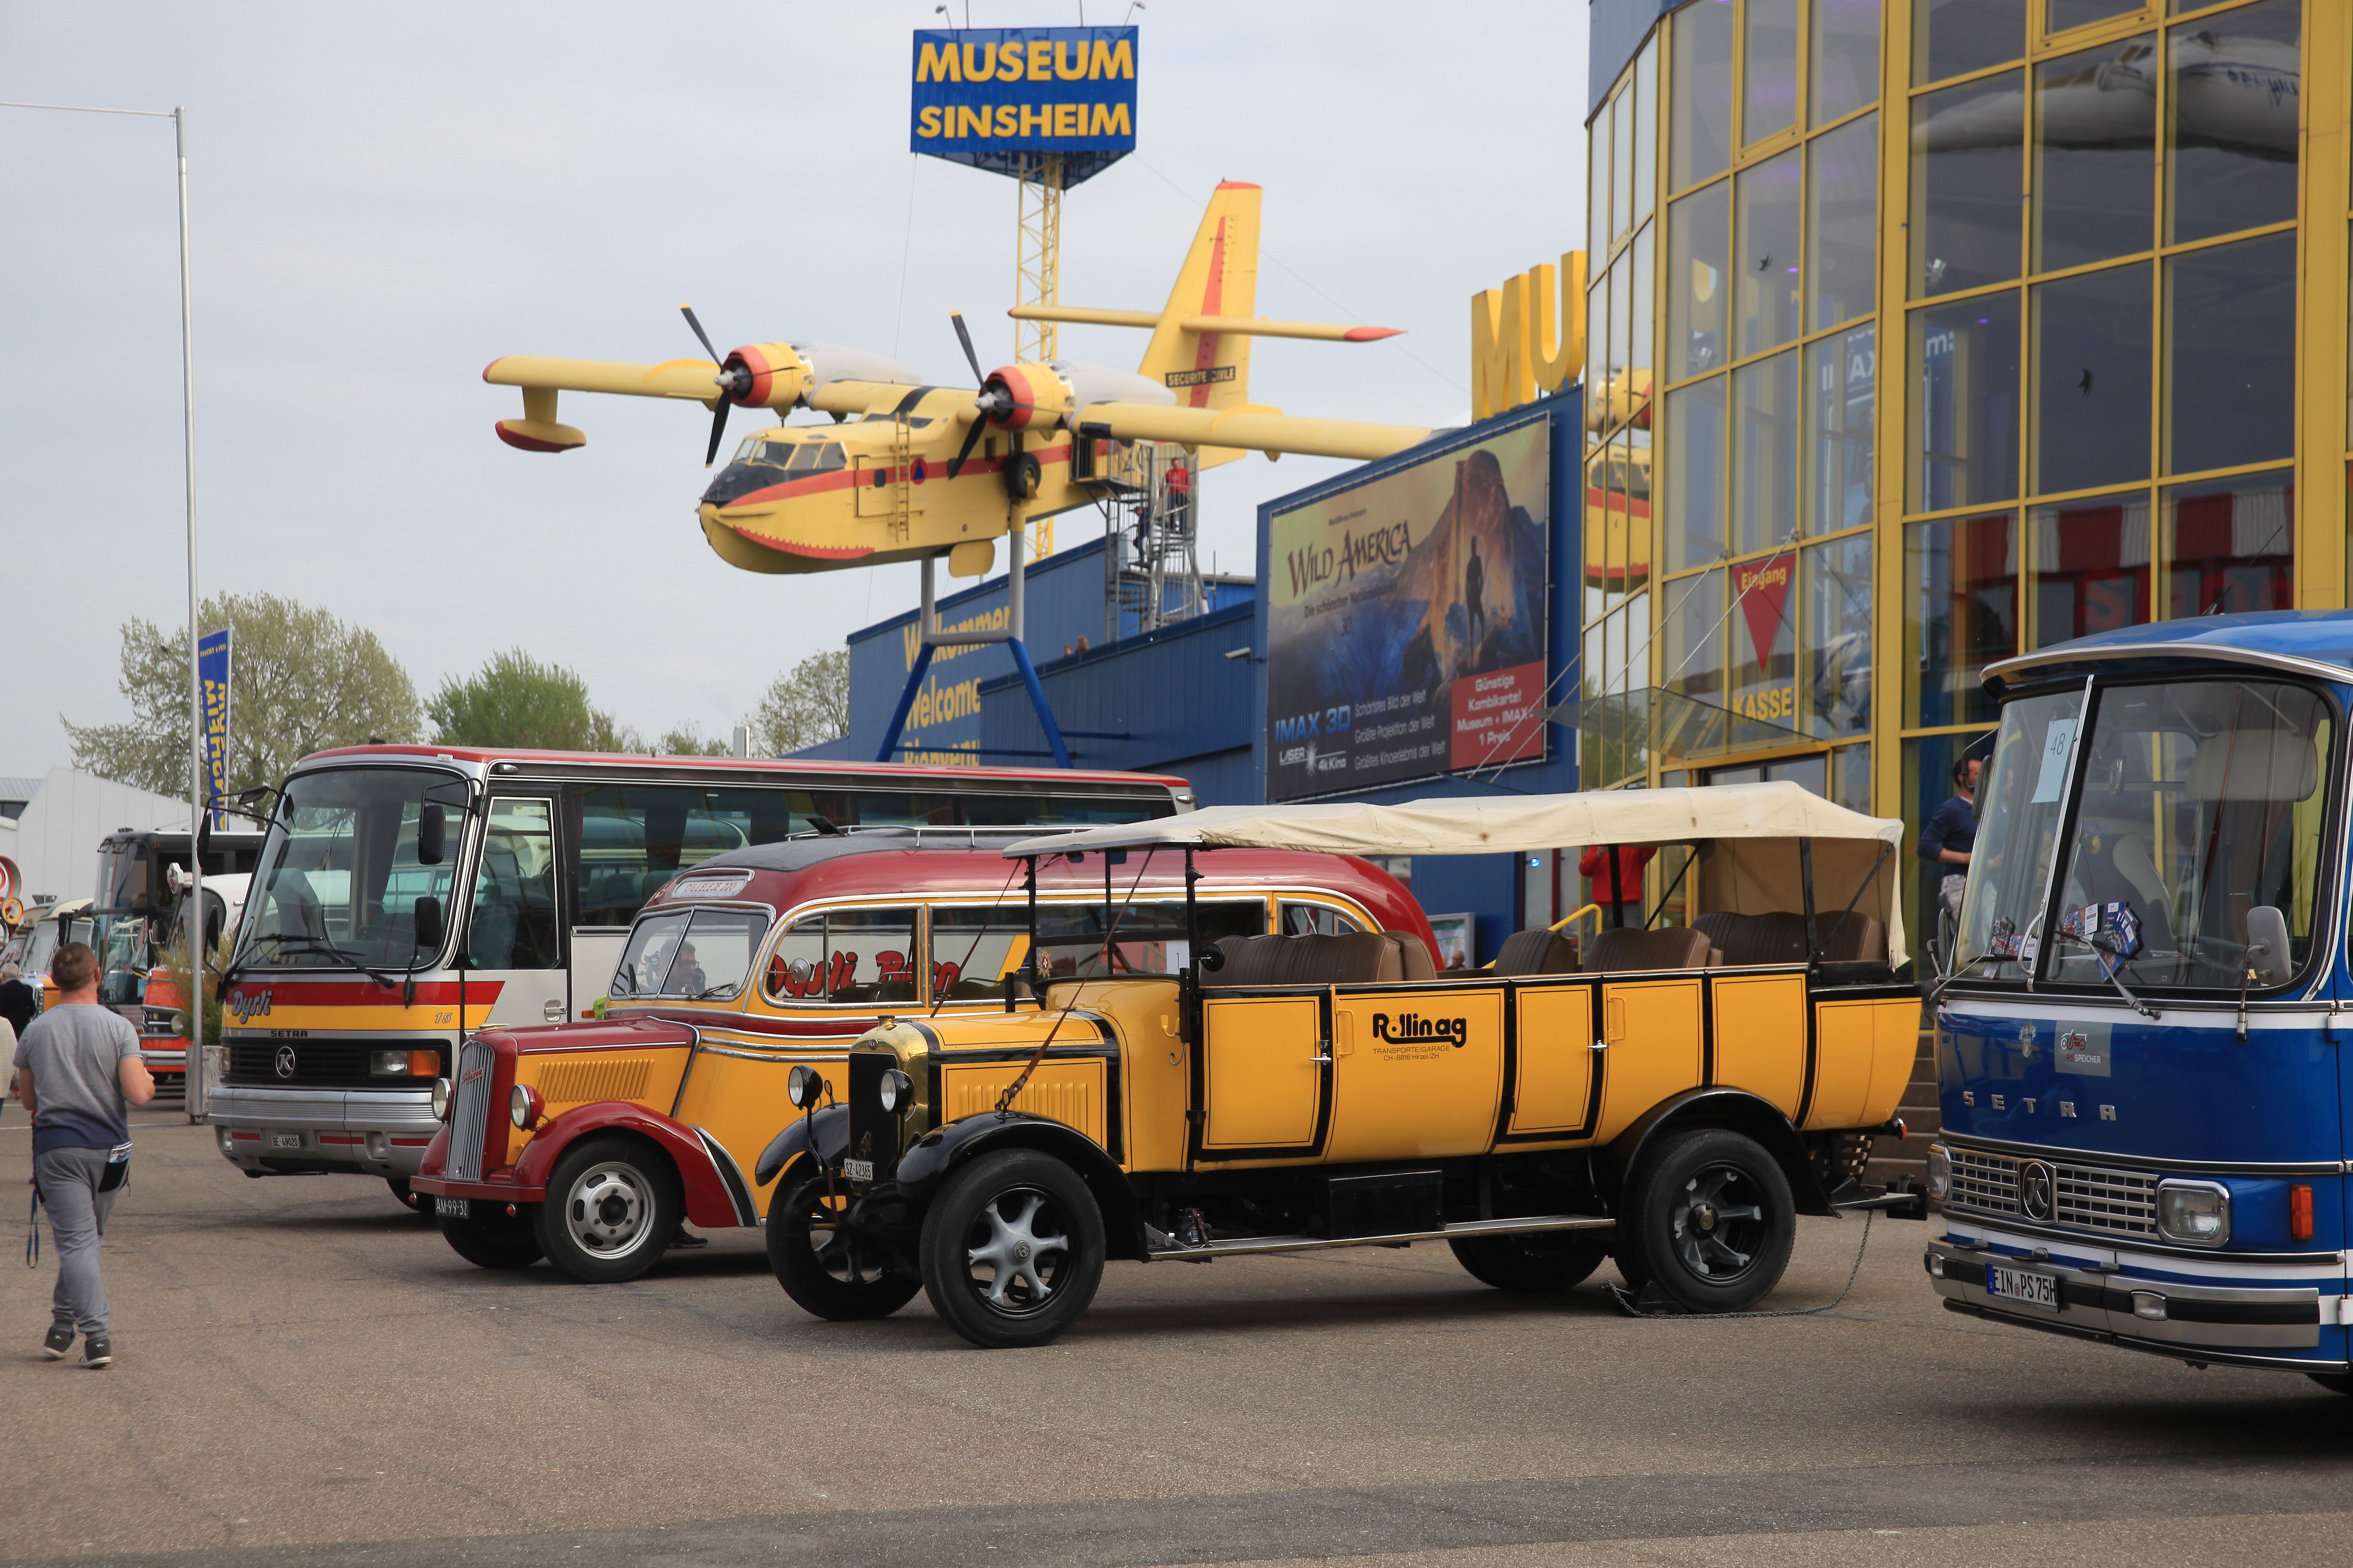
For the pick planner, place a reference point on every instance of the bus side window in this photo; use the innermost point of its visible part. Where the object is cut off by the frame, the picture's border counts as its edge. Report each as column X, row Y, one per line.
column 514, row 890
column 633, row 837
column 1315, row 920
column 845, row 956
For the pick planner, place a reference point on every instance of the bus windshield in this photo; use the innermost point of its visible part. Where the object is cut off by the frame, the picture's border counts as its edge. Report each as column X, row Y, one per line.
column 2194, row 852
column 340, row 879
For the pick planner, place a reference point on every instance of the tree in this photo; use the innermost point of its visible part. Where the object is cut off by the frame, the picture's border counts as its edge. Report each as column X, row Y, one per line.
column 808, row 704
column 688, row 741
column 299, row 681
column 516, row 701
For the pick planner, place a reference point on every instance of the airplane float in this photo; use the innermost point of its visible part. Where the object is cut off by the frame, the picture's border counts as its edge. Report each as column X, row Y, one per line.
column 913, row 472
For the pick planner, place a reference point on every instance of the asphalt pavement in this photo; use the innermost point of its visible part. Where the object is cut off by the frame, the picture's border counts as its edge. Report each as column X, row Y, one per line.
column 306, row 1373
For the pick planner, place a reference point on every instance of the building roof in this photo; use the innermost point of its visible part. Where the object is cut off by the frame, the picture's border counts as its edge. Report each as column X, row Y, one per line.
column 18, row 788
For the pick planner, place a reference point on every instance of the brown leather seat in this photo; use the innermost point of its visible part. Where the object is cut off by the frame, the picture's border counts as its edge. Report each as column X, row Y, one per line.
column 1362, row 958
column 1413, row 962
column 1537, row 951
column 1780, row 936
column 1623, row 947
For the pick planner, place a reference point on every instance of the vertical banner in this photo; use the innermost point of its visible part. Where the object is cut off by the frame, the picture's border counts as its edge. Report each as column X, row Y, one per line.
column 211, row 675
column 1406, row 621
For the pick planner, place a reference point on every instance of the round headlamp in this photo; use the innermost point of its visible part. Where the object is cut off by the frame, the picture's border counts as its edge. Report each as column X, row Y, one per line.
column 803, row 1086
column 440, row 1099
column 897, row 1092
column 524, row 1106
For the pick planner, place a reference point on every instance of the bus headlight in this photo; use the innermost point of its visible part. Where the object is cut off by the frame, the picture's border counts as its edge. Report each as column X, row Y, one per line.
column 1940, row 1171
column 440, row 1099
column 2198, row 1213
column 896, row 1091
column 389, row 1064
column 802, row 1085
column 524, row 1106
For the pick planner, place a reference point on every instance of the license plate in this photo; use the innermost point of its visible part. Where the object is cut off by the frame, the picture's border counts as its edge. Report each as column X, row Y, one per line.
column 286, row 1139
column 2024, row 1286
column 452, row 1208
column 859, row 1170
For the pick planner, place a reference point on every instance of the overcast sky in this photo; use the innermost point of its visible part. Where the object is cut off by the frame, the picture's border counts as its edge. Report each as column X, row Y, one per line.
column 387, row 198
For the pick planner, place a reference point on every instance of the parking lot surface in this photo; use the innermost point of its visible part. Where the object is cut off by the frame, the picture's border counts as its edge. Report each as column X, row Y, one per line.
column 306, row 1373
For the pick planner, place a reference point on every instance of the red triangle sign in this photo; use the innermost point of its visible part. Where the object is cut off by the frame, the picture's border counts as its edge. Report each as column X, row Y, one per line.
column 1763, row 587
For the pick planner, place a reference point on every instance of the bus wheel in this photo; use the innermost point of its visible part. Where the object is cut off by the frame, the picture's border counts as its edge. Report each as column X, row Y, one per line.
column 830, row 1272
column 414, row 1202
column 1535, row 1265
column 612, row 1206
column 1012, row 1249
column 1708, row 1221
column 492, row 1239
column 2335, row 1382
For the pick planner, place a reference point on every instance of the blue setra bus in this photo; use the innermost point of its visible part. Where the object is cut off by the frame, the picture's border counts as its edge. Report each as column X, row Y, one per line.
column 2142, row 1008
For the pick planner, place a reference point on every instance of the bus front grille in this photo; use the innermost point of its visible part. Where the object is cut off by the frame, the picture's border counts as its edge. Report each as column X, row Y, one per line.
column 470, row 1112
column 2083, row 1197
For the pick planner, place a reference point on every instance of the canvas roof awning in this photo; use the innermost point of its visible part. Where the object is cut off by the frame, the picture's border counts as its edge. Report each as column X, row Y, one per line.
column 1752, row 831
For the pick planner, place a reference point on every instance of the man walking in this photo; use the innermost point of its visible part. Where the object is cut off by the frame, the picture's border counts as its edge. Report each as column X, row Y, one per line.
column 77, row 1071
column 1950, row 835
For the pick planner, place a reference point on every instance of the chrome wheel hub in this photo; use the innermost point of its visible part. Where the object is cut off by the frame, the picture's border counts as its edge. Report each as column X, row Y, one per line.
column 609, row 1212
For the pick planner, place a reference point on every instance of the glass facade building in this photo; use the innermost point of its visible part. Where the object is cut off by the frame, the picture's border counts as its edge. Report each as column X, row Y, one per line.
column 2102, row 245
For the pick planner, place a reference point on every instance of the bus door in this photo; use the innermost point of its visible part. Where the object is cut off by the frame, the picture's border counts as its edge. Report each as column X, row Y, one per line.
column 514, row 935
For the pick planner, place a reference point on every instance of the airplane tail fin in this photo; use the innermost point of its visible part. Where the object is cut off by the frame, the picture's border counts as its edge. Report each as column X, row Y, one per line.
column 1206, row 369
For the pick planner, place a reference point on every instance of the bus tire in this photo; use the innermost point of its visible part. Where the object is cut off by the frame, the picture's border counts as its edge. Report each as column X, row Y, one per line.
column 493, row 1240
column 1012, row 1249
column 1542, row 1264
column 2335, row 1382
column 613, row 1204
column 1707, row 1221
column 830, row 1273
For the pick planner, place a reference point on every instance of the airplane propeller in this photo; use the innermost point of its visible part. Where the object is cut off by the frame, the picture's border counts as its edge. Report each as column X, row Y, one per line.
column 733, row 381
column 995, row 401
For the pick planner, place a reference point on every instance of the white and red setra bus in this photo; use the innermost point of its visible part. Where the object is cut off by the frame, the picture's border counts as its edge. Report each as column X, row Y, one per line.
column 407, row 895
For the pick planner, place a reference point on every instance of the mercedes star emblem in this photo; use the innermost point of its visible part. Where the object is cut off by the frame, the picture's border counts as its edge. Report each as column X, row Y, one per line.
column 285, row 1061
column 2036, row 1182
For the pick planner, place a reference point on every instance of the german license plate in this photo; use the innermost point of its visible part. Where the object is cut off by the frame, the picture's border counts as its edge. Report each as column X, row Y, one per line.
column 859, row 1170
column 2027, row 1287
column 286, row 1139
column 452, row 1208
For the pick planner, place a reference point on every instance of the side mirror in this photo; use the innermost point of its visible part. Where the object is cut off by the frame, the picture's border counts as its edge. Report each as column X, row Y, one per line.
column 2267, row 950
column 429, row 929
column 432, row 832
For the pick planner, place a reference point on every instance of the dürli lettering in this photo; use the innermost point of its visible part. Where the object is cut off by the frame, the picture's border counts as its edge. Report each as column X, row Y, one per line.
column 1412, row 1028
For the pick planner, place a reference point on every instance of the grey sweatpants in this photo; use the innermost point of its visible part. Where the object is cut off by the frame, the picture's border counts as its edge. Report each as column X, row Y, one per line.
column 78, row 1212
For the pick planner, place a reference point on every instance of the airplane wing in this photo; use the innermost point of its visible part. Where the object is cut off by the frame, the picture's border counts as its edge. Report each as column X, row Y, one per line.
column 1258, row 429
column 693, row 379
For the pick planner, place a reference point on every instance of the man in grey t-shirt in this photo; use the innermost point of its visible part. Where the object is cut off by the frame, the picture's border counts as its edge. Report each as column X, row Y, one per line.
column 78, row 1071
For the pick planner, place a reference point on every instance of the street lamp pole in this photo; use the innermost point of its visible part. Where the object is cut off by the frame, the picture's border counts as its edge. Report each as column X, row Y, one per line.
column 192, row 1076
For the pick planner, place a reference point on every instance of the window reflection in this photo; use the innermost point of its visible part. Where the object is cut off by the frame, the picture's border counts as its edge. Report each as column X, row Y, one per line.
column 2092, row 380
column 2236, row 93
column 2066, row 13
column 2095, row 145
column 1646, row 129
column 2230, row 371
column 1692, row 637
column 1961, row 614
column 1597, row 188
column 1841, row 378
column 1633, row 456
column 1765, row 453
column 1842, row 224
column 1768, row 96
column 1964, row 416
column 1698, row 232
column 1949, row 36
column 1850, row 777
column 1693, row 440
column 2091, row 568
column 2229, row 544
column 1597, row 352
column 1965, row 184
column 1596, row 536
column 1621, row 162
column 1844, row 74
column 1637, row 347
column 1699, row 137
column 1836, row 632
column 1767, row 255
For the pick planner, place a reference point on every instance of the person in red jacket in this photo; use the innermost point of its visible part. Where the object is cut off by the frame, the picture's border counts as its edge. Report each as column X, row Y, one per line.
column 1621, row 904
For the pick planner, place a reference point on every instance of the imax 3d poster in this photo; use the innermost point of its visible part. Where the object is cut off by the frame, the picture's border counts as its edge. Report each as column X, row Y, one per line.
column 1406, row 622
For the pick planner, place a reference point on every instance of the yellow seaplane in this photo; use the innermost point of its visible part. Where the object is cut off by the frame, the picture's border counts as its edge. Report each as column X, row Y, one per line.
column 914, row 471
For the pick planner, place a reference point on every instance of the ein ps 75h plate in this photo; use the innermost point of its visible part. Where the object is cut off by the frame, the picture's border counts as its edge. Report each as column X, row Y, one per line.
column 2026, row 1286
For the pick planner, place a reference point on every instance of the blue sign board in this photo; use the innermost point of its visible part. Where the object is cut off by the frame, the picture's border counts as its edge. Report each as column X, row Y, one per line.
column 990, row 96
column 212, row 676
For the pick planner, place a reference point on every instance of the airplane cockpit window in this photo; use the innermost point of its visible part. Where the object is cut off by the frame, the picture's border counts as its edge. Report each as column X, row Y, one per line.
column 778, row 454
column 818, row 458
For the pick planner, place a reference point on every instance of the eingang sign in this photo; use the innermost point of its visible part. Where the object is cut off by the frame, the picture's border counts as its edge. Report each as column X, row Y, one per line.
column 1406, row 621
column 986, row 95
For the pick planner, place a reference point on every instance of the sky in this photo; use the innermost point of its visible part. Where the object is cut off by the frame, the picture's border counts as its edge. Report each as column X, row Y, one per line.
column 385, row 199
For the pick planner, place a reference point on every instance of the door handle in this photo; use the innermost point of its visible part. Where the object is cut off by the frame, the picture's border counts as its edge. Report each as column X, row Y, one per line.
column 553, row 1012
column 1613, row 1020
column 1325, row 1046
column 1343, row 1035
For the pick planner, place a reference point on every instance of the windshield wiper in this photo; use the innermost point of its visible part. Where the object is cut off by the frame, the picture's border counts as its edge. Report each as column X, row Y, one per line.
column 2098, row 954
column 313, row 944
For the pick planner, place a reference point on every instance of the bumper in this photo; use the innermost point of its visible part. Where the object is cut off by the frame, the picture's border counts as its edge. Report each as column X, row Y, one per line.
column 161, row 1059
column 2269, row 1311
column 372, row 1133
column 500, row 1187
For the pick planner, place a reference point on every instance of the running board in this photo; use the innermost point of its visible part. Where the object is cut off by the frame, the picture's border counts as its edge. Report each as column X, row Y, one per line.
column 1250, row 1244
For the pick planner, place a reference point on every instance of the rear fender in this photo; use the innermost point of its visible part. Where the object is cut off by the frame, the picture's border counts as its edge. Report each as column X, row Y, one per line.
column 824, row 1136
column 714, row 1189
column 938, row 1154
column 1735, row 1110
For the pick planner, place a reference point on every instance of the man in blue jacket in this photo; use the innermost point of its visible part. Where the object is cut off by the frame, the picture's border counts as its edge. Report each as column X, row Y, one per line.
column 77, row 1072
column 1950, row 834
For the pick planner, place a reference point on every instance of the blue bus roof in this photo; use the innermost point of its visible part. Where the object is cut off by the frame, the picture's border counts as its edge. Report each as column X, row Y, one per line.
column 2309, row 642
